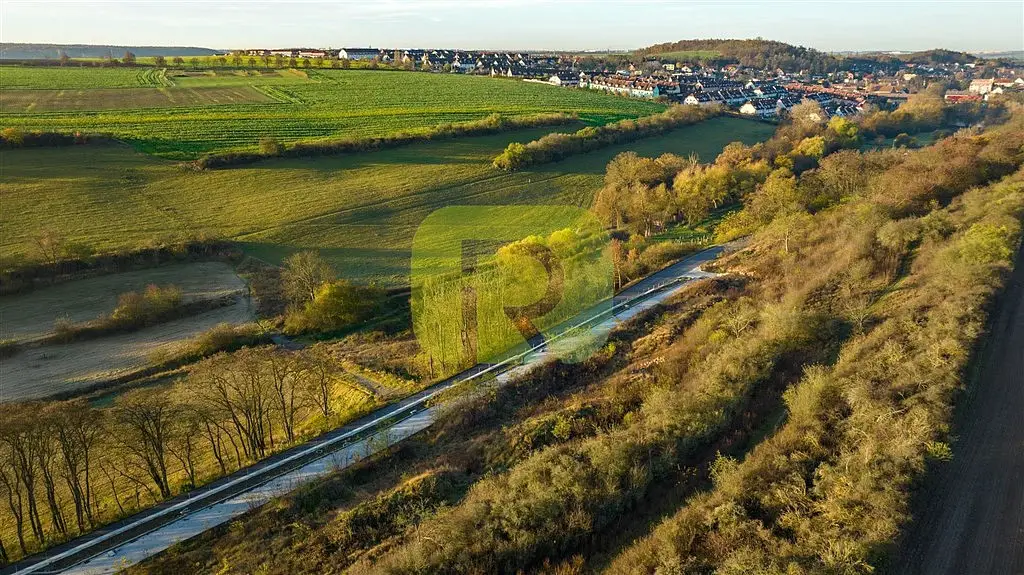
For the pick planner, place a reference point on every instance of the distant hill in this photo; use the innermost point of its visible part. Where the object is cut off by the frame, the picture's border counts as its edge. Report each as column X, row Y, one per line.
column 1008, row 55
column 755, row 53
column 759, row 53
column 9, row 51
column 931, row 57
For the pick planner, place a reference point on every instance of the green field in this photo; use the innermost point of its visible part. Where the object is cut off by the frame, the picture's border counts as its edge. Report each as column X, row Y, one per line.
column 49, row 78
column 690, row 55
column 361, row 209
column 176, row 119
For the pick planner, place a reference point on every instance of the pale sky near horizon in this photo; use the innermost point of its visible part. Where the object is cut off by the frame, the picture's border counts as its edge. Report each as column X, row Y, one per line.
column 984, row 25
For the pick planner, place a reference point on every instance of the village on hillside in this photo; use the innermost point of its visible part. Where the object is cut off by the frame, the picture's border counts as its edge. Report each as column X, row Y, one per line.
column 758, row 92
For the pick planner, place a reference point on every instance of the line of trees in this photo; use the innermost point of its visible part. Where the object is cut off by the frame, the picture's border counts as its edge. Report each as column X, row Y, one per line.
column 56, row 258
column 556, row 146
column 67, row 467
column 17, row 138
column 271, row 148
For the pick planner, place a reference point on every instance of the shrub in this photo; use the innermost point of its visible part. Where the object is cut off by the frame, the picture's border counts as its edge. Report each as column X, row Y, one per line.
column 225, row 337
column 554, row 147
column 493, row 124
column 270, row 147
column 153, row 305
column 8, row 348
column 337, row 305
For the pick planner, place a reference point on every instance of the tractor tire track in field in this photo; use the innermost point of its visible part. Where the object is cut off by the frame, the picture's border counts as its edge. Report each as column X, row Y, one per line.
column 970, row 516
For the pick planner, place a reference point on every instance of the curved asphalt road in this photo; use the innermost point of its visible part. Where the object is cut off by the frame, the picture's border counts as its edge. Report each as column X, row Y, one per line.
column 108, row 549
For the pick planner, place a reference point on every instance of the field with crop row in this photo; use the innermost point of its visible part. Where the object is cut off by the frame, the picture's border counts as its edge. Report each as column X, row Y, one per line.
column 127, row 98
column 362, row 210
column 313, row 104
column 71, row 78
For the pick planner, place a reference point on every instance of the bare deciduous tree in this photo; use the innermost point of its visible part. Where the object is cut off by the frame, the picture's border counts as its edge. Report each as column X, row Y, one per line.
column 144, row 418
column 9, row 483
column 304, row 273
column 78, row 430
column 20, row 434
column 49, row 245
column 318, row 370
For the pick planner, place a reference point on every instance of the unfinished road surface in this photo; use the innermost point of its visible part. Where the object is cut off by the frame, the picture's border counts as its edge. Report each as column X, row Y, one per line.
column 971, row 516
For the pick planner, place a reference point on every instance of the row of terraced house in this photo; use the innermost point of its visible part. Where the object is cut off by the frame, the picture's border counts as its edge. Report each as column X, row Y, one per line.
column 763, row 99
column 510, row 64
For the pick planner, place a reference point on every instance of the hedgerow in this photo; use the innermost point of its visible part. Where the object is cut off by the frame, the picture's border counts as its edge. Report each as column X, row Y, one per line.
column 493, row 124
column 554, row 147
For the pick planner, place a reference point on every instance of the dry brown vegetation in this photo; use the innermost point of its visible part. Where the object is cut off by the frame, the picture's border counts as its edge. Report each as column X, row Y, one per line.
column 868, row 281
column 362, row 512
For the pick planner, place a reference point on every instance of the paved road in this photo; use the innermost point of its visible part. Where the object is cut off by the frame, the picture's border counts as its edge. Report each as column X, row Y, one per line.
column 127, row 542
column 972, row 520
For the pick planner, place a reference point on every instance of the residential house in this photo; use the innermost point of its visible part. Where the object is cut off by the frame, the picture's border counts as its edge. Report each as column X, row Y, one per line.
column 954, row 96
column 979, row 86
column 635, row 87
column 760, row 107
column 567, row 79
column 359, row 53
column 701, row 99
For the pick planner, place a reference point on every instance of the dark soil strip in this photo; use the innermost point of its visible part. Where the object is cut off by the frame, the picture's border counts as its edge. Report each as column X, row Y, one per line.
column 970, row 514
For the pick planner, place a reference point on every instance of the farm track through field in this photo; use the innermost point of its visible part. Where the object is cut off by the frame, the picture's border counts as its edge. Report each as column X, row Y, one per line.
column 971, row 515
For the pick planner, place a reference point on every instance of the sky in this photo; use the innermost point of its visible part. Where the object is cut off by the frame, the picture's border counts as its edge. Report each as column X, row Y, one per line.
column 836, row 25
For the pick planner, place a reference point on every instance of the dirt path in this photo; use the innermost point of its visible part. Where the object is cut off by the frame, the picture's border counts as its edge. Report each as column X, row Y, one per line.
column 971, row 516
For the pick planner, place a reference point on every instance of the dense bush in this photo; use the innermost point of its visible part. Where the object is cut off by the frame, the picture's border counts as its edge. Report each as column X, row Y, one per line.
column 222, row 337
column 153, row 305
column 554, row 147
column 830, row 491
column 17, row 138
column 336, row 306
column 136, row 310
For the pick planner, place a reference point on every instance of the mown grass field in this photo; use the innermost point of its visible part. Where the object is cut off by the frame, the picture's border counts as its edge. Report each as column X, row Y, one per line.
column 42, row 371
column 180, row 119
column 690, row 55
column 361, row 210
